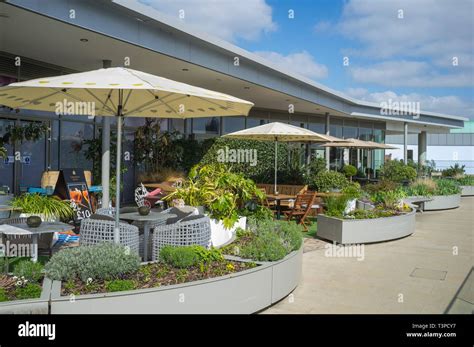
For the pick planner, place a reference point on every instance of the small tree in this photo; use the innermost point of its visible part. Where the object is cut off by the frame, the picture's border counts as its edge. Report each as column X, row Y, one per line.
column 349, row 171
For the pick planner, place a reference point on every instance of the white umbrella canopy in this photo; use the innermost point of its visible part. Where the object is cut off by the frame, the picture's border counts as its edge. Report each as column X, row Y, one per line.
column 352, row 143
column 277, row 131
column 120, row 92
column 139, row 93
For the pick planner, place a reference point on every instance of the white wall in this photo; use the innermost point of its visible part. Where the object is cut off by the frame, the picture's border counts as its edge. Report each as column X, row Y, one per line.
column 444, row 156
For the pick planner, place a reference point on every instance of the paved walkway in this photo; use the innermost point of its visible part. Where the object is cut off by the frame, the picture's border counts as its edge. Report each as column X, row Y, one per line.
column 423, row 273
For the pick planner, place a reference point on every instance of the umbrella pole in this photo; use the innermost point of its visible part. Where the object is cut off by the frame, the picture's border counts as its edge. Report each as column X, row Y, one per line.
column 117, row 174
column 276, row 164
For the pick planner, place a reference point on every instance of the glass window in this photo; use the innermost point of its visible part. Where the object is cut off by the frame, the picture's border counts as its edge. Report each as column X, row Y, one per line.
column 317, row 125
column 206, row 125
column 253, row 122
column 365, row 134
column 232, row 124
column 349, row 132
column 72, row 145
column 379, row 135
column 54, row 145
column 33, row 160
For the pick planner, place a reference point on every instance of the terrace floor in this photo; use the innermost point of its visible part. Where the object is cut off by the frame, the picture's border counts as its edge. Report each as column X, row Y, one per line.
column 417, row 274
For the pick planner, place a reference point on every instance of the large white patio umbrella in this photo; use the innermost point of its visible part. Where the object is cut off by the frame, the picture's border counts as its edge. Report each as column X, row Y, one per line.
column 281, row 132
column 120, row 92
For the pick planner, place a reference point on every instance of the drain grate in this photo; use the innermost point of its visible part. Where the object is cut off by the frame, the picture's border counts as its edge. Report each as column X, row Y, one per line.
column 429, row 274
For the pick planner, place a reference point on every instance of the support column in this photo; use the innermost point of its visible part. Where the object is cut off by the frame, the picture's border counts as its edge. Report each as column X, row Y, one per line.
column 405, row 142
column 105, row 166
column 327, row 153
column 422, row 143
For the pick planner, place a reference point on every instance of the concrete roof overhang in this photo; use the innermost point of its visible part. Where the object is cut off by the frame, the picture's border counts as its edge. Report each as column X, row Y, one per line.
column 122, row 30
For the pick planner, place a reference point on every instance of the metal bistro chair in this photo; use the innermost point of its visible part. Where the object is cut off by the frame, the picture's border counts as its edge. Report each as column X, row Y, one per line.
column 192, row 230
column 301, row 209
column 94, row 231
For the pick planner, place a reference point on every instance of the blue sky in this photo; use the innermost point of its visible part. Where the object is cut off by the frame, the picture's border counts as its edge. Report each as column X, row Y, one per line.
column 419, row 50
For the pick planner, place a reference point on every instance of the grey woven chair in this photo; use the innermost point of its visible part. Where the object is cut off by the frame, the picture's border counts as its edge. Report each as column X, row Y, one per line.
column 193, row 232
column 95, row 231
column 45, row 240
column 106, row 211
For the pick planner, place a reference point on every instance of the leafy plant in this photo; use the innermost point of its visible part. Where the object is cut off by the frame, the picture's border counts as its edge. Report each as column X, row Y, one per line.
column 3, row 295
column 208, row 255
column 397, row 171
column 119, row 285
column 102, row 261
column 349, row 171
column 329, row 180
column 30, row 270
column 370, row 214
column 316, row 166
column 447, row 187
column 32, row 131
column 180, row 257
column 29, row 291
column 49, row 207
column 454, row 171
column 266, row 247
column 3, row 152
column 222, row 192
column 335, row 205
column 352, row 191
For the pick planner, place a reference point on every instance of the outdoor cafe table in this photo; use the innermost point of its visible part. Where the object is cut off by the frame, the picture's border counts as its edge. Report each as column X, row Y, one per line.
column 278, row 198
column 22, row 229
column 153, row 218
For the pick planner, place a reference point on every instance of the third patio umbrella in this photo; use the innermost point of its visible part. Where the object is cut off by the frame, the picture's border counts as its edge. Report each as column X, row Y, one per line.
column 280, row 132
column 120, row 92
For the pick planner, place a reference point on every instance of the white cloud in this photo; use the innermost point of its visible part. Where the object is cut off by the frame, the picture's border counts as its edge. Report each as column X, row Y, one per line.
column 322, row 26
column 410, row 74
column 429, row 27
column 449, row 104
column 302, row 63
column 229, row 20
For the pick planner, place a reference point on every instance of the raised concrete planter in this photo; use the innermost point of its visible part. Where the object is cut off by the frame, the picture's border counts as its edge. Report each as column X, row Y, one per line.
column 248, row 291
column 221, row 236
column 347, row 231
column 29, row 306
column 443, row 202
column 467, row 191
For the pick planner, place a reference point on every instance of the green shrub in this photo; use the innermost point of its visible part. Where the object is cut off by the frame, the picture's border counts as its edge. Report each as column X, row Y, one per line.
column 270, row 240
column 119, row 285
column 349, row 170
column 30, row 291
column 466, row 180
column 447, row 187
column 180, row 257
column 316, row 166
column 262, row 172
column 454, row 171
column 105, row 261
column 397, row 171
column 3, row 295
column 28, row 269
column 424, row 187
column 352, row 190
column 329, row 180
column 266, row 247
column 370, row 214
column 3, row 264
column 208, row 255
column 335, row 205
column 380, row 186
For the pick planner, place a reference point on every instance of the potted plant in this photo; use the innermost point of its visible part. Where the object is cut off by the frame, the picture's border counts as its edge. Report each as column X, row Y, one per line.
column 49, row 208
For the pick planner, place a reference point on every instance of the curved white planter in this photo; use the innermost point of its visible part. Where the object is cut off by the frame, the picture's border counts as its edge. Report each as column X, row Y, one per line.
column 348, row 231
column 221, row 236
column 29, row 306
column 443, row 202
column 247, row 291
column 467, row 191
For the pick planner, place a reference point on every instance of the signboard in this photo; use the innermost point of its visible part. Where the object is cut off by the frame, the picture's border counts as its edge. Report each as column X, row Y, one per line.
column 26, row 159
column 72, row 185
column 9, row 159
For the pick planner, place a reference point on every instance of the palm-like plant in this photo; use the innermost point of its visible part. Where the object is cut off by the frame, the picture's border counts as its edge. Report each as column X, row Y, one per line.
column 48, row 207
column 3, row 152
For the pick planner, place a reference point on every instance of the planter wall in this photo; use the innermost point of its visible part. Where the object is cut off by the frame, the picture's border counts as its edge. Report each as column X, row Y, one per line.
column 248, row 291
column 467, row 191
column 347, row 231
column 443, row 202
column 29, row 306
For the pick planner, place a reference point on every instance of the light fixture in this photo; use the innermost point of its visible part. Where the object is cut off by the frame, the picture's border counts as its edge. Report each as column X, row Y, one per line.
column 184, row 69
column 84, row 40
column 246, row 87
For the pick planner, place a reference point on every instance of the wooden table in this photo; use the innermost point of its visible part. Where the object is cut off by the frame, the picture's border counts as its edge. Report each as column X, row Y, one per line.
column 278, row 198
column 152, row 218
column 22, row 229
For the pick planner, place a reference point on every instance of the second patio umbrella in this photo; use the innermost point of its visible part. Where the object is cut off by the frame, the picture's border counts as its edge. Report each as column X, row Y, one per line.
column 120, row 92
column 280, row 132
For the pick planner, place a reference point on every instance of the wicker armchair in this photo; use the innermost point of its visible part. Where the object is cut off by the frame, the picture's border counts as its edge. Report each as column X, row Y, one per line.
column 192, row 232
column 45, row 240
column 95, row 231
